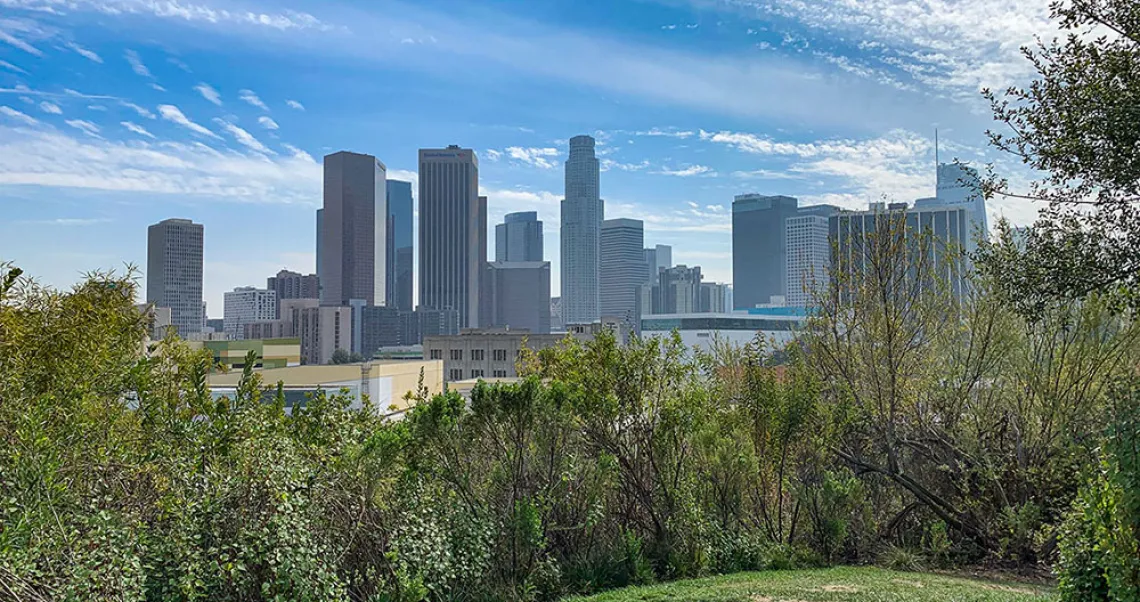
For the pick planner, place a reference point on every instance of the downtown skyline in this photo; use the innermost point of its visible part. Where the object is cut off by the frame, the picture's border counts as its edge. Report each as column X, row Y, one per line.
column 238, row 149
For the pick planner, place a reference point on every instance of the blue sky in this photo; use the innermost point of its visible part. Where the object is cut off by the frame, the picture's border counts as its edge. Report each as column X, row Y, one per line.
column 115, row 114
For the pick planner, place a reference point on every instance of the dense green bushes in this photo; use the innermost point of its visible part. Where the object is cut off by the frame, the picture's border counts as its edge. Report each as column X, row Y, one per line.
column 122, row 477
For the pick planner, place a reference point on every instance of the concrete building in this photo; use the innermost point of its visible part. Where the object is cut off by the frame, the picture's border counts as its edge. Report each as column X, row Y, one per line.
column 354, row 229
column 714, row 298
column 658, row 258
column 519, row 237
column 622, row 268
column 268, row 329
column 582, row 213
column 759, row 245
column 387, row 327
column 320, row 238
column 378, row 386
column 453, row 231
column 517, row 296
column 401, row 224
column 174, row 272
column 482, row 353
column 293, row 285
column 678, row 291
column 778, row 326
column 942, row 231
column 321, row 329
column 247, row 304
column 808, row 258
column 269, row 353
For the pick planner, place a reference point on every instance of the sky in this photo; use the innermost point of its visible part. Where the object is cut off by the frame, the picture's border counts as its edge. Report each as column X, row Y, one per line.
column 115, row 114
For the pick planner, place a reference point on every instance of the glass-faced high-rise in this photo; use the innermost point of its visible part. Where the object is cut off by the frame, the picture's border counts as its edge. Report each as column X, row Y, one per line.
column 354, row 224
column 519, row 237
column 174, row 272
column 453, row 232
column 582, row 214
column 400, row 226
column 622, row 268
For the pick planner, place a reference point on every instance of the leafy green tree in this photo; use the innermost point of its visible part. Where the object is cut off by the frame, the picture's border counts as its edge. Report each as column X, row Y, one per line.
column 1077, row 123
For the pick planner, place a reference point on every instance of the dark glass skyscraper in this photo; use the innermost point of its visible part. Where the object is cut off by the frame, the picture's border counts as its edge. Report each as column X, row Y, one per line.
column 400, row 225
column 519, row 237
column 354, row 226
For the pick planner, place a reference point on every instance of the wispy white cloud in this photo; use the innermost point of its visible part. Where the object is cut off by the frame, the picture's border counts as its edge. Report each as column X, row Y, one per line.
column 300, row 154
column 96, row 108
column 267, row 123
column 157, row 87
column 11, row 67
column 608, row 164
column 10, row 29
column 177, row 62
column 209, row 93
column 18, row 116
column 142, row 111
column 174, row 115
column 52, row 108
column 766, row 174
column 84, row 126
column 492, row 154
column 244, row 138
column 180, row 10
column 81, row 51
column 667, row 132
column 70, row 221
column 293, row 104
column 136, row 63
column 136, row 128
column 685, row 172
column 250, row 97
column 537, row 157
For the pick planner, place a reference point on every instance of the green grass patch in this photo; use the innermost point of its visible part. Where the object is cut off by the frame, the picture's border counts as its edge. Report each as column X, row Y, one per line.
column 842, row 584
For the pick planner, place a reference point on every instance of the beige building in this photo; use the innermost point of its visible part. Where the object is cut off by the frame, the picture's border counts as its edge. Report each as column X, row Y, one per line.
column 488, row 353
column 382, row 384
column 322, row 330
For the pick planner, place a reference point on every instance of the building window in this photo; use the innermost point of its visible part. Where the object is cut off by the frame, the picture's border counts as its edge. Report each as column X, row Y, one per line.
column 477, row 355
column 476, row 374
column 436, row 354
column 500, row 355
column 457, row 354
column 500, row 373
column 455, row 374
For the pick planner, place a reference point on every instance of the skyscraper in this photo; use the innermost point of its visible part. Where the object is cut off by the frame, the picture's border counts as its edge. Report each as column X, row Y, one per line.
column 517, row 295
column 759, row 245
column 519, row 237
column 959, row 184
column 621, row 268
column 658, row 258
column 809, row 258
column 582, row 214
column 293, row 285
column 245, row 305
column 174, row 272
column 453, row 232
column 320, row 237
column 354, row 227
column 399, row 254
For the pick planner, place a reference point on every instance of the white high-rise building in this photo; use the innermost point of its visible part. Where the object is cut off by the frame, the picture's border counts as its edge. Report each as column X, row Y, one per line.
column 174, row 273
column 582, row 214
column 245, row 305
column 622, row 268
column 809, row 257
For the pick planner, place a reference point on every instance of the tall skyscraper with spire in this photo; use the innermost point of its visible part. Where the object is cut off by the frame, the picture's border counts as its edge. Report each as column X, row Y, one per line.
column 582, row 214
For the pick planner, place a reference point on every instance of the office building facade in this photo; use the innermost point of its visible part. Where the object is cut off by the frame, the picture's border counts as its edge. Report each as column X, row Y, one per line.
column 247, row 304
column 401, row 224
column 658, row 258
column 293, row 285
column 678, row 291
column 174, row 272
column 453, row 231
column 386, row 327
column 581, row 219
column 354, row 226
column 519, row 237
column 808, row 258
column 622, row 268
column 517, row 296
column 714, row 298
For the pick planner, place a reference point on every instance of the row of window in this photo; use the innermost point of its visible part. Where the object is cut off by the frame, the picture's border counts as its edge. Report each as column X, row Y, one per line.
column 477, row 355
column 455, row 374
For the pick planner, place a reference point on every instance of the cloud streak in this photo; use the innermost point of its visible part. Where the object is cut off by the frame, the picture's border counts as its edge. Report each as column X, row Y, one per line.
column 136, row 128
column 250, row 97
column 209, row 93
column 244, row 138
column 85, row 53
column 174, row 115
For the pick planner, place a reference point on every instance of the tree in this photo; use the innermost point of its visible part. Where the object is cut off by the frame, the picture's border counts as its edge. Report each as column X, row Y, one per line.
column 1079, row 124
column 341, row 356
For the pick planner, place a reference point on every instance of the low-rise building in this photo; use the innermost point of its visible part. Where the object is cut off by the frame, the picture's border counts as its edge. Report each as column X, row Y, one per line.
column 380, row 386
column 270, row 353
column 779, row 326
column 485, row 353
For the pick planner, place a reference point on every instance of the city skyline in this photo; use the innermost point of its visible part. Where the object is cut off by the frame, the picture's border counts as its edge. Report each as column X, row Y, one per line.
column 225, row 121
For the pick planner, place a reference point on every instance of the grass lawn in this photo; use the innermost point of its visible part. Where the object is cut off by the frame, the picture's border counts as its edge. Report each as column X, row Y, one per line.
column 842, row 584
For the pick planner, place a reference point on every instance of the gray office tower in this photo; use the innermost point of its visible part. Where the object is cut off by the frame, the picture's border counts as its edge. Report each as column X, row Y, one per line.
column 174, row 272
column 400, row 226
column 656, row 259
column 453, row 232
column 517, row 295
column 320, row 227
column 622, row 268
column 582, row 213
column 759, row 246
column 519, row 237
column 354, row 228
